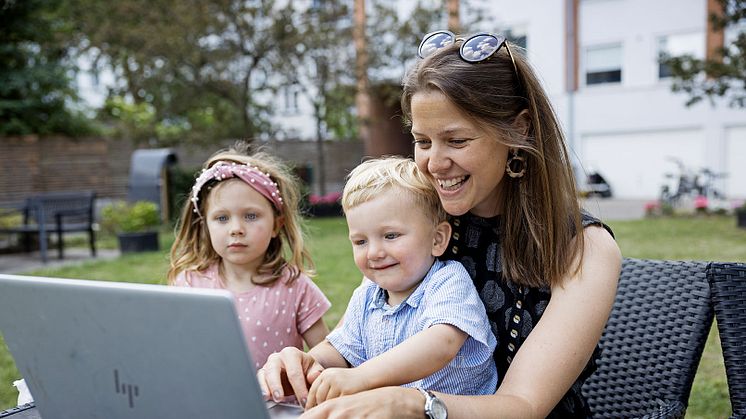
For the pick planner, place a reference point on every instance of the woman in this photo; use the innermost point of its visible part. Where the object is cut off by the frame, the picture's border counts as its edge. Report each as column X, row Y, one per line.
column 485, row 134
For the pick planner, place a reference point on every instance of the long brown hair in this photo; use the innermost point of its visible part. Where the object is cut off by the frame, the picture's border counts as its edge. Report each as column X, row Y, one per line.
column 192, row 249
column 541, row 214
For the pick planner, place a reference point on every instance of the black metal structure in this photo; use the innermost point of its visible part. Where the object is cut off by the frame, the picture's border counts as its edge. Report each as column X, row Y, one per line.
column 148, row 180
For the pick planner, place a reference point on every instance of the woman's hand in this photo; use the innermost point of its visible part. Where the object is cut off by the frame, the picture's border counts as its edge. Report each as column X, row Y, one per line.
column 384, row 402
column 288, row 372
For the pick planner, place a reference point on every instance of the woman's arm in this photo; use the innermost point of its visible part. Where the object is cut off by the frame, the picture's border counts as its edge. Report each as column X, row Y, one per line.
column 561, row 343
column 548, row 363
column 417, row 357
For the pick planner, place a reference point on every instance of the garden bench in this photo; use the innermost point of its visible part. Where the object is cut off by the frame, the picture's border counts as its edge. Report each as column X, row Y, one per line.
column 56, row 213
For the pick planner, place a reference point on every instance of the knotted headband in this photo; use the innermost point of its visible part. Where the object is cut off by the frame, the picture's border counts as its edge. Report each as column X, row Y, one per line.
column 250, row 174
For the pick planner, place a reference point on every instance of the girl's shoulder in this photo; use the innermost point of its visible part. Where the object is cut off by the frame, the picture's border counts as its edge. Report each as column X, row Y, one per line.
column 302, row 281
column 206, row 278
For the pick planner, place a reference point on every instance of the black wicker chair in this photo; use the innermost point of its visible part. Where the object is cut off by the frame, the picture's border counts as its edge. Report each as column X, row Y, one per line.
column 653, row 341
column 728, row 287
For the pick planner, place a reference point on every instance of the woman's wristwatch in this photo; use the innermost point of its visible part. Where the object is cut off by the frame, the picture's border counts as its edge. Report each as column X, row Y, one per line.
column 434, row 407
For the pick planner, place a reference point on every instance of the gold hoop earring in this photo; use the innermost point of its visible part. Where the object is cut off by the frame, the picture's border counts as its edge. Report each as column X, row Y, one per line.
column 513, row 161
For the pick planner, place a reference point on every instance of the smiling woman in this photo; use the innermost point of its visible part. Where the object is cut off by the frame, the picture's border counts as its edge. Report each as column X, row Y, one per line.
column 488, row 140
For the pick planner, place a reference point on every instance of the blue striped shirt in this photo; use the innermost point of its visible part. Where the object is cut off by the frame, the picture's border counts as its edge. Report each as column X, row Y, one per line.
column 446, row 296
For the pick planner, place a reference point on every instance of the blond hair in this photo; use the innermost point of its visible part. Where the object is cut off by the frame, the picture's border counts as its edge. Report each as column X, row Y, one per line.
column 541, row 214
column 376, row 176
column 192, row 249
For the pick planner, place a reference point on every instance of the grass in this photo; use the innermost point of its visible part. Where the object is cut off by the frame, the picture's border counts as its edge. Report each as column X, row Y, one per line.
column 696, row 238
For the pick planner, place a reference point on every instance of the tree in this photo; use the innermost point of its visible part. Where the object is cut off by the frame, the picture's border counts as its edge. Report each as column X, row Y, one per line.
column 324, row 68
column 36, row 87
column 201, row 65
column 395, row 38
column 724, row 73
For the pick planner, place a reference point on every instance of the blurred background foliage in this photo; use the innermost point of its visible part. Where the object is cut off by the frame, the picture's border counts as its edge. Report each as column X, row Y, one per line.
column 188, row 71
column 199, row 71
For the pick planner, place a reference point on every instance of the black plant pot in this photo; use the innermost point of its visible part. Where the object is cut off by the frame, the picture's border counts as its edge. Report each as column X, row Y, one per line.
column 146, row 241
column 741, row 217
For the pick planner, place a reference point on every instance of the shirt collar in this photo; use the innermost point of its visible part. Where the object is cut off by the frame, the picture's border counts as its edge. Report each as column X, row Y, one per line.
column 378, row 300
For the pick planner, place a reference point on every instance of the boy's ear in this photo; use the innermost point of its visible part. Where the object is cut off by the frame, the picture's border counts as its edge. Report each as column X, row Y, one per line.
column 441, row 237
column 279, row 222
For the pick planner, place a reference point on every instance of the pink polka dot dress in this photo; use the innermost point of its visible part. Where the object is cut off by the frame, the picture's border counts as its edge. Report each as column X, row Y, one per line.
column 272, row 317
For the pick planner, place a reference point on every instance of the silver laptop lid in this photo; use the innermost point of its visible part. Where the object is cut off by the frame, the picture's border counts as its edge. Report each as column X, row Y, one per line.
column 92, row 349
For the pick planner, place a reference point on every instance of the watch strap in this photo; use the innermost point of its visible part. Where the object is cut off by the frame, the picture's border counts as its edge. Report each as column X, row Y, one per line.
column 428, row 401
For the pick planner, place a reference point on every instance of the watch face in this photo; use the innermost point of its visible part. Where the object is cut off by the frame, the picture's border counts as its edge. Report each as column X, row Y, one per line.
column 438, row 409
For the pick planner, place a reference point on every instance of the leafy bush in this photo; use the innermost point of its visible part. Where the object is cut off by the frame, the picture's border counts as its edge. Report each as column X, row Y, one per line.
column 123, row 217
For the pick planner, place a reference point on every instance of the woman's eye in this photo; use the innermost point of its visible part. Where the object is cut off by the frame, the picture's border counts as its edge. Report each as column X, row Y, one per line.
column 420, row 143
column 391, row 236
column 457, row 142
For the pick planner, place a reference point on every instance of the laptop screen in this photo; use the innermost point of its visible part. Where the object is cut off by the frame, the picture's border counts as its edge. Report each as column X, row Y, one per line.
column 93, row 349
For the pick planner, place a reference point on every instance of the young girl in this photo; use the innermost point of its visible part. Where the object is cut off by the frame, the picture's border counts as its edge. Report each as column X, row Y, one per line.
column 241, row 231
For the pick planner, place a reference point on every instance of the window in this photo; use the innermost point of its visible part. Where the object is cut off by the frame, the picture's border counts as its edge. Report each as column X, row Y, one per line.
column 603, row 64
column 290, row 99
column 677, row 45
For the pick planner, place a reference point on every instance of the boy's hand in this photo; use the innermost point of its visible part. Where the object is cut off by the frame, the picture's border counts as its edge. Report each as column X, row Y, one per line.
column 335, row 382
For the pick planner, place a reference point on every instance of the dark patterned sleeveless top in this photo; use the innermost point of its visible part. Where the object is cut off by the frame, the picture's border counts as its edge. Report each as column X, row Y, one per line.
column 513, row 310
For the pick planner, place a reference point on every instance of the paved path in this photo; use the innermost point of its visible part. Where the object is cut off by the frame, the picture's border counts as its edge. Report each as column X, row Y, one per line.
column 615, row 209
column 23, row 262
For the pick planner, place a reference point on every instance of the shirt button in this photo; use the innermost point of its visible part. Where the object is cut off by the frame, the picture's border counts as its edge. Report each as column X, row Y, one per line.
column 511, row 347
column 455, row 249
column 510, row 359
column 514, row 333
column 516, row 319
column 518, row 304
column 456, row 222
column 455, row 236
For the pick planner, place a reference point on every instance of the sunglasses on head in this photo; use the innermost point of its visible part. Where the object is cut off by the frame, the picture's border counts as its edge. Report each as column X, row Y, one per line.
column 475, row 49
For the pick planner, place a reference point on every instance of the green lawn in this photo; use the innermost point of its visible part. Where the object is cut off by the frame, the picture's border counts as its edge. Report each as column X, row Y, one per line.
column 698, row 238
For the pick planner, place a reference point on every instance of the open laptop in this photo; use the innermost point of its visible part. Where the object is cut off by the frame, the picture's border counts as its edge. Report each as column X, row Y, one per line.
column 94, row 349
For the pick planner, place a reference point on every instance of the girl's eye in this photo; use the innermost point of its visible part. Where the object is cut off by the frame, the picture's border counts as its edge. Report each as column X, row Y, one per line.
column 222, row 218
column 251, row 216
column 391, row 236
column 359, row 242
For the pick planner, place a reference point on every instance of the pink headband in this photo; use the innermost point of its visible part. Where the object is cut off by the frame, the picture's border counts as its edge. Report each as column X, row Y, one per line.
column 250, row 174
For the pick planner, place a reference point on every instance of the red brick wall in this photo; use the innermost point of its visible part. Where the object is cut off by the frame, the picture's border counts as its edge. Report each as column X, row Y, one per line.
column 32, row 164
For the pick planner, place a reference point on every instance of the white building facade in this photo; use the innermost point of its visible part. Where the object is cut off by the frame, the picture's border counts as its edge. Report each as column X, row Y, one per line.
column 623, row 120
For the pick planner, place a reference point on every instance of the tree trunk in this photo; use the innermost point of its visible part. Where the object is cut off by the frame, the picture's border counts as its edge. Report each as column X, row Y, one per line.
column 362, row 95
column 454, row 24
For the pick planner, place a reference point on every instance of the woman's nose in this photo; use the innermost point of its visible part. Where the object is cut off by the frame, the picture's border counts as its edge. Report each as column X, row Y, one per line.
column 437, row 160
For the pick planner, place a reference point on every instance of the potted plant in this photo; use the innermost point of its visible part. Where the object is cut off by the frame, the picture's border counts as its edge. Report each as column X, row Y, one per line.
column 135, row 224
